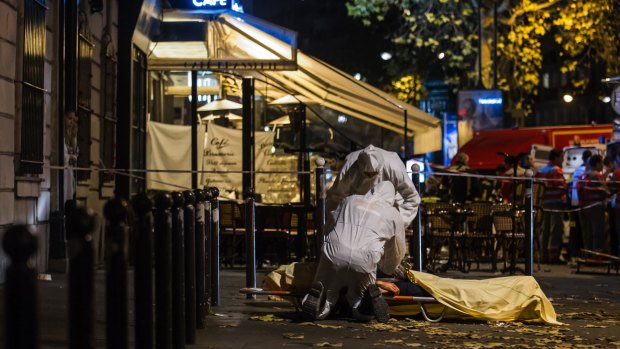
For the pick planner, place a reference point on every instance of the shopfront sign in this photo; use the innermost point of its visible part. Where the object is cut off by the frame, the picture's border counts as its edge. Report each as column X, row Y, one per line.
column 212, row 4
column 221, row 64
column 208, row 5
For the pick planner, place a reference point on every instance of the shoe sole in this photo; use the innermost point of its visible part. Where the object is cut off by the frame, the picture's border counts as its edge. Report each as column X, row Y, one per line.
column 312, row 305
column 379, row 305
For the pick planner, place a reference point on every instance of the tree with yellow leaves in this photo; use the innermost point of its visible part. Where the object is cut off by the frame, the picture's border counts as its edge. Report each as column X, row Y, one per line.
column 423, row 31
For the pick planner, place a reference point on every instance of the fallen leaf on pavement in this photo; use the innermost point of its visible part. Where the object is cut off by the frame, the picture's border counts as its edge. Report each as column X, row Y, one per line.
column 268, row 318
column 290, row 335
column 327, row 344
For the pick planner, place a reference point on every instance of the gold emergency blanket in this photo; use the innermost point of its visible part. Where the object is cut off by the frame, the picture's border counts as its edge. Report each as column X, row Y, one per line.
column 291, row 277
column 511, row 298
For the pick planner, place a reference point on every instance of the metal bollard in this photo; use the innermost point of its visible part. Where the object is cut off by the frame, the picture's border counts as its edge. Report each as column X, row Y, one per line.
column 189, row 220
column 21, row 326
column 529, row 224
column 321, row 194
column 117, row 213
column 415, row 245
column 163, row 271
column 178, row 271
column 143, row 272
column 215, row 246
column 201, row 297
column 250, row 243
column 81, row 255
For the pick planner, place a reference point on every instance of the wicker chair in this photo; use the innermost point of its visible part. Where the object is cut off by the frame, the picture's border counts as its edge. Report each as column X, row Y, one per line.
column 437, row 230
column 478, row 242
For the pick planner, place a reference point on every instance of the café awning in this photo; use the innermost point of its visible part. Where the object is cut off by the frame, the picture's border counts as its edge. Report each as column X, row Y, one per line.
column 234, row 40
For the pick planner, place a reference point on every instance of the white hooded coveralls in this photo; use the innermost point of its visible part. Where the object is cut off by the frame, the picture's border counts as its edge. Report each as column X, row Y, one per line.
column 353, row 180
column 369, row 231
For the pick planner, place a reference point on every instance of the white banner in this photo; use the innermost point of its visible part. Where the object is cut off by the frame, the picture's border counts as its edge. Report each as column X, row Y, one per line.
column 223, row 153
column 168, row 147
column 275, row 187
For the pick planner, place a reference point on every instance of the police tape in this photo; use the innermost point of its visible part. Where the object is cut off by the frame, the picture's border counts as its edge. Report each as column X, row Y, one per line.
column 570, row 210
column 510, row 178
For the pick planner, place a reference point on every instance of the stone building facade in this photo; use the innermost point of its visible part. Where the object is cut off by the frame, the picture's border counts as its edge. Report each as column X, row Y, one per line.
column 41, row 80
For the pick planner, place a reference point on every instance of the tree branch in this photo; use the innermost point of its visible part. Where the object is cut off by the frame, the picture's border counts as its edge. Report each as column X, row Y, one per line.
column 511, row 21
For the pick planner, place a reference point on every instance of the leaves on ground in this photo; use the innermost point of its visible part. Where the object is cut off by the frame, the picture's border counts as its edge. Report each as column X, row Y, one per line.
column 327, row 344
column 320, row 325
column 266, row 318
column 291, row 335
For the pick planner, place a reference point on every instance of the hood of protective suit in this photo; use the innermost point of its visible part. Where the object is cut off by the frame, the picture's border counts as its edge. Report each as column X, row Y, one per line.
column 370, row 161
column 382, row 191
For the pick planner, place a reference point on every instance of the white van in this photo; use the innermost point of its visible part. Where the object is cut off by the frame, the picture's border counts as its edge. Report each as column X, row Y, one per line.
column 572, row 157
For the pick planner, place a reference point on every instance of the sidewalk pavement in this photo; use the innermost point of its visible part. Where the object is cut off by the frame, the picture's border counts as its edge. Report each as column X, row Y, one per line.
column 588, row 303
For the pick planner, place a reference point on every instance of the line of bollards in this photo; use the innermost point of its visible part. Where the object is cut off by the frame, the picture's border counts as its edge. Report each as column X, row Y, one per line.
column 176, row 249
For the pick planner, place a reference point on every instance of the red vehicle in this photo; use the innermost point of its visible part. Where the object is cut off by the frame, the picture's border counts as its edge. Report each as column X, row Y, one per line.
column 483, row 147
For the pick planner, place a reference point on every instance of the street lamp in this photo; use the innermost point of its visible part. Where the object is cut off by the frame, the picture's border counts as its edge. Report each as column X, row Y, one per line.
column 567, row 98
column 441, row 55
column 386, row 56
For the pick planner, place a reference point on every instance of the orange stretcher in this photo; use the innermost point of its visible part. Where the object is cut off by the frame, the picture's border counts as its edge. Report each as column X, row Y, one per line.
column 391, row 300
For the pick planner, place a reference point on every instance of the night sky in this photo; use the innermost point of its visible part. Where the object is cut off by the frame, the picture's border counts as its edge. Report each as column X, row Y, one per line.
column 326, row 32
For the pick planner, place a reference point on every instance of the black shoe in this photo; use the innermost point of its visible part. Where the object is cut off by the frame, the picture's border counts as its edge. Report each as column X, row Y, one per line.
column 314, row 301
column 379, row 305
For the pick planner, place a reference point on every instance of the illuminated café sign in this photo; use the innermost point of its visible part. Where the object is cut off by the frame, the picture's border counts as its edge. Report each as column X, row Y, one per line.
column 212, row 4
column 208, row 5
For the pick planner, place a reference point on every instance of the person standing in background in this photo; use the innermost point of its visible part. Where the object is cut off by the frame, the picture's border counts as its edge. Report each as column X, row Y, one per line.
column 614, row 186
column 592, row 198
column 553, row 200
column 575, row 239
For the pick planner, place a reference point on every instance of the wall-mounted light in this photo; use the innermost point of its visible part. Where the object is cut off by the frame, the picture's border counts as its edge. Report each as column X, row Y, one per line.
column 386, row 56
column 441, row 55
column 342, row 119
column 606, row 99
column 567, row 98
column 266, row 129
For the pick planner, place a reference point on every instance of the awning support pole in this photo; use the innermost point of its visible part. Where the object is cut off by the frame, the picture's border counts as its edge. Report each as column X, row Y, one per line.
column 194, row 129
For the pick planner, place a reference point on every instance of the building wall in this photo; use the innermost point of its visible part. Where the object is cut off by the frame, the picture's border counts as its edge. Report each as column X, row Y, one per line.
column 29, row 200
column 8, row 47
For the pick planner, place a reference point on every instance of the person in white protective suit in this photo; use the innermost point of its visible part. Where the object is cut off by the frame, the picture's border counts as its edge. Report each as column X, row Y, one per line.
column 368, row 231
column 365, row 168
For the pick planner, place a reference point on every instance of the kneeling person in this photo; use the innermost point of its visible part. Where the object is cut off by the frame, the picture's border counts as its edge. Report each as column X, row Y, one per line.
column 369, row 231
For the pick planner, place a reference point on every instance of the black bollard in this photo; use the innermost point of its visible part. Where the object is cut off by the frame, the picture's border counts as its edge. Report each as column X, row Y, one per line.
column 116, row 212
column 163, row 271
column 321, row 194
column 143, row 273
column 215, row 246
column 81, row 254
column 189, row 220
column 201, row 297
column 250, row 243
column 178, row 271
column 22, row 329
column 208, row 257
column 415, row 245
